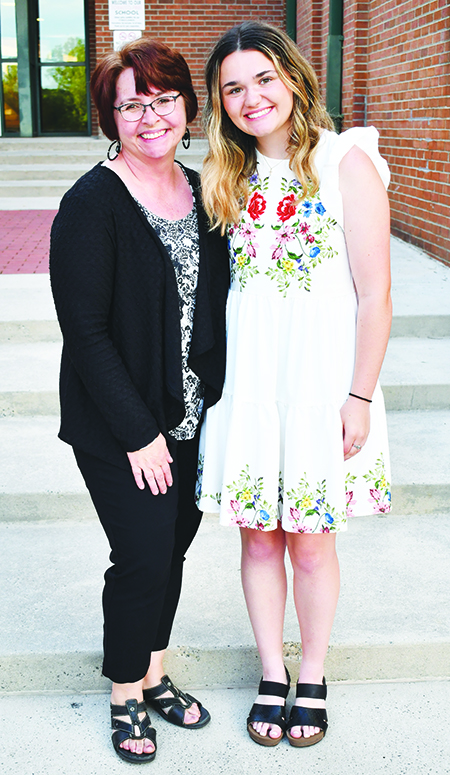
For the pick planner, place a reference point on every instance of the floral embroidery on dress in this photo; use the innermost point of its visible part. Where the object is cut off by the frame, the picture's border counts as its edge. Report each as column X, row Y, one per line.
column 301, row 236
column 309, row 233
column 350, row 479
column 256, row 206
column 311, row 513
column 241, row 257
column 380, row 492
column 247, row 507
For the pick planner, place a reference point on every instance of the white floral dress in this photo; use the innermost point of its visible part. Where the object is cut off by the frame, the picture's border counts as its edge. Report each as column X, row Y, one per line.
column 272, row 448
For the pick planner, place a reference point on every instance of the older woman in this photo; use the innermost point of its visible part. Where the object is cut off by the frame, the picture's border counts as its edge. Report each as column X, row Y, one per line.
column 140, row 287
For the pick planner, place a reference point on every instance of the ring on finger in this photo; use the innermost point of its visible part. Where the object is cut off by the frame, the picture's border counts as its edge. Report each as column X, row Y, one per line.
column 357, row 446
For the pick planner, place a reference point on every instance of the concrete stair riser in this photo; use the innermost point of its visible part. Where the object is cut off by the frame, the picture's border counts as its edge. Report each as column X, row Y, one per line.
column 415, row 499
column 26, row 331
column 43, row 172
column 396, row 398
column 20, row 331
column 35, row 188
column 231, row 667
column 389, row 625
column 420, row 326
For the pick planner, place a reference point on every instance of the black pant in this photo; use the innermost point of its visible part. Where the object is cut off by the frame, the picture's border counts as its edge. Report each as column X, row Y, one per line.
column 149, row 536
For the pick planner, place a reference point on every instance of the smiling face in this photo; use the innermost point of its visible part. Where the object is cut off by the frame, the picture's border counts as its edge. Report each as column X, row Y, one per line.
column 152, row 137
column 256, row 99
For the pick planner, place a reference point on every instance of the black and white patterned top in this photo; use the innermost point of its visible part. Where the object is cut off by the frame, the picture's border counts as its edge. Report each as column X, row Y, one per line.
column 181, row 240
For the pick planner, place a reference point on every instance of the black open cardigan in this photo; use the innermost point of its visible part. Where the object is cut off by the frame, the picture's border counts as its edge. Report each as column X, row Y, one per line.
column 116, row 297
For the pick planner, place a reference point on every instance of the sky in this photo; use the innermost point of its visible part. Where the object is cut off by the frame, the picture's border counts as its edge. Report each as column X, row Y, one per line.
column 59, row 20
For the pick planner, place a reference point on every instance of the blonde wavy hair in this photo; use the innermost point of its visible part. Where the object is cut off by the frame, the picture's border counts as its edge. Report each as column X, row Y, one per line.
column 231, row 158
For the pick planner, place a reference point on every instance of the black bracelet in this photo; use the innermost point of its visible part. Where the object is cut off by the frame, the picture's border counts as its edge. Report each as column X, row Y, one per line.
column 361, row 398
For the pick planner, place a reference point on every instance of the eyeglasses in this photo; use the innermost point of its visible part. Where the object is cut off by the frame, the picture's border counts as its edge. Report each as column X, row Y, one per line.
column 162, row 106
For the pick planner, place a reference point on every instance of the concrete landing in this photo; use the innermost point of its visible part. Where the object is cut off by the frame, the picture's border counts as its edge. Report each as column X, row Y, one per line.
column 75, row 737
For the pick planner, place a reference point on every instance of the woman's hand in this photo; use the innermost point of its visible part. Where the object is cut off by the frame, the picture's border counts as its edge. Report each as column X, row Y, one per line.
column 355, row 415
column 152, row 464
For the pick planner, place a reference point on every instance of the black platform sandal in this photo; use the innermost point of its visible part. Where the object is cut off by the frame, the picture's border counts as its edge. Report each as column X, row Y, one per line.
column 308, row 717
column 176, row 705
column 124, row 731
column 269, row 714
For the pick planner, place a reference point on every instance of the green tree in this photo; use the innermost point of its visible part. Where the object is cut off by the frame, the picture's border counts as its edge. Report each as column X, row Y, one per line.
column 11, row 98
column 72, row 80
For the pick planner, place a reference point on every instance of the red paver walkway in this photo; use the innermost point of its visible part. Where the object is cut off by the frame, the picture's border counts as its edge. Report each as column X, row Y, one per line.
column 25, row 241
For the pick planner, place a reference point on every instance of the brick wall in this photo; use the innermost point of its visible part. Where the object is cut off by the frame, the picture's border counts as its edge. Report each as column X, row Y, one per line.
column 396, row 68
column 192, row 27
column 312, row 30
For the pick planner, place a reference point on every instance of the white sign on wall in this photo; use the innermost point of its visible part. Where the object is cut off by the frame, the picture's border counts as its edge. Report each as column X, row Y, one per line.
column 126, row 15
column 125, row 36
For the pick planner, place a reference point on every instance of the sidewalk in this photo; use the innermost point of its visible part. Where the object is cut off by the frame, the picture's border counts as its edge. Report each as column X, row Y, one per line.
column 375, row 729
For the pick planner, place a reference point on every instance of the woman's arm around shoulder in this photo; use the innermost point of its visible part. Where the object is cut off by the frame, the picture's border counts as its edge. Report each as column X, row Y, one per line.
column 367, row 234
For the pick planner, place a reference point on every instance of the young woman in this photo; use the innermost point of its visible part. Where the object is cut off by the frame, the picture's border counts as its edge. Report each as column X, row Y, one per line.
column 298, row 441
column 140, row 285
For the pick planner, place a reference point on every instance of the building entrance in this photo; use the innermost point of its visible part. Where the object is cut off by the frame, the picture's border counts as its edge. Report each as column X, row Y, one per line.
column 44, row 73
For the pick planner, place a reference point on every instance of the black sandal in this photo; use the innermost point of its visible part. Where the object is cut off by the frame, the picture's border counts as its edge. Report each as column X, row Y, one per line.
column 308, row 717
column 177, row 705
column 124, row 731
column 269, row 714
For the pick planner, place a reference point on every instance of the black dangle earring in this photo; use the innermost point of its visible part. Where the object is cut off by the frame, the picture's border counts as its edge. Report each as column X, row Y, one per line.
column 186, row 139
column 116, row 147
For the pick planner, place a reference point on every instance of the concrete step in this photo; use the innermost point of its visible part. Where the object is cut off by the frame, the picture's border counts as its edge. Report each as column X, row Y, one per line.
column 48, row 156
column 415, row 375
column 85, row 157
column 420, row 290
column 25, row 331
column 51, row 172
column 80, row 727
column 36, row 188
column 420, row 457
column 19, row 331
column 429, row 326
column 51, row 144
column 26, row 297
column 73, row 145
column 30, row 368
column 27, row 311
column 392, row 623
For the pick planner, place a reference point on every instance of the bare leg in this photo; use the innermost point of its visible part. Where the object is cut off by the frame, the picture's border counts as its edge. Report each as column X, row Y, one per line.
column 264, row 583
column 316, row 592
column 131, row 691
column 153, row 678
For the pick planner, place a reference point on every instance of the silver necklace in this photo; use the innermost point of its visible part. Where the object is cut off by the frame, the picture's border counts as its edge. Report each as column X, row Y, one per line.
column 271, row 167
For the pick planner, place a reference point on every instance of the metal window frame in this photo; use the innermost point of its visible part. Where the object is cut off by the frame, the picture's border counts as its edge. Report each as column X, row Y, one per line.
column 334, row 62
column 28, row 73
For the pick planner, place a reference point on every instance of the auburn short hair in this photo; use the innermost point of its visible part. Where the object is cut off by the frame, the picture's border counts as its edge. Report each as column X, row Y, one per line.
column 153, row 64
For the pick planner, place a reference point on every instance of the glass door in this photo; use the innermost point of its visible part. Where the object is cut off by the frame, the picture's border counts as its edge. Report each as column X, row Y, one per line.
column 10, row 121
column 62, row 71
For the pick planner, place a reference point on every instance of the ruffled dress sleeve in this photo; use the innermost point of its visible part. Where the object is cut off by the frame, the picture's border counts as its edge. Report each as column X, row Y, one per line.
column 330, row 152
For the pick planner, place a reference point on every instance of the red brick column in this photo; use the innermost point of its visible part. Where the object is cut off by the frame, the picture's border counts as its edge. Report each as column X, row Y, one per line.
column 409, row 52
